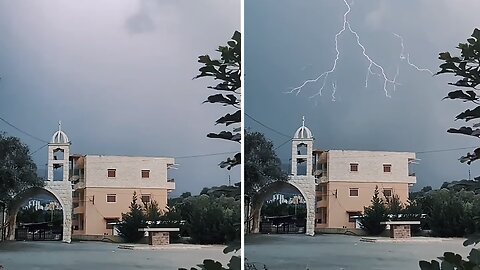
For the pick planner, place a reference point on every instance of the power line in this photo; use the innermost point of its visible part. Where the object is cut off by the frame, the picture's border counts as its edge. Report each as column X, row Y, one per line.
column 445, row 150
column 38, row 149
column 207, row 155
column 22, row 131
column 282, row 144
column 267, row 127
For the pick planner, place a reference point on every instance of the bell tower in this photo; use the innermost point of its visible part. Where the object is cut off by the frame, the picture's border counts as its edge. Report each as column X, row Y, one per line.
column 302, row 151
column 58, row 156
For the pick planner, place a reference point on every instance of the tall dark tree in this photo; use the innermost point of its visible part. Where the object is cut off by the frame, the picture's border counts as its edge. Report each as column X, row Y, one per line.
column 374, row 214
column 132, row 221
column 17, row 169
column 152, row 212
column 227, row 70
column 262, row 166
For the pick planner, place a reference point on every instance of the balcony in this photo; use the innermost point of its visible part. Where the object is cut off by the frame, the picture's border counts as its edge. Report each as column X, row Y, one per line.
column 412, row 179
column 79, row 185
column 170, row 184
column 321, row 179
column 79, row 210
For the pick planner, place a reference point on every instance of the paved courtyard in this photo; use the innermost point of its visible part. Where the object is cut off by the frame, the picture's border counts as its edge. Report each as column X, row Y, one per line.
column 99, row 255
column 335, row 252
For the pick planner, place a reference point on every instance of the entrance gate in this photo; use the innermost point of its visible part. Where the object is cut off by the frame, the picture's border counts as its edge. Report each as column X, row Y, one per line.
column 38, row 232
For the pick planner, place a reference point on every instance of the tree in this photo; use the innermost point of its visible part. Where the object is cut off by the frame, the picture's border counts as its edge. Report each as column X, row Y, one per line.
column 227, row 69
column 394, row 206
column 17, row 169
column 152, row 212
column 262, row 166
column 131, row 222
column 467, row 66
column 374, row 214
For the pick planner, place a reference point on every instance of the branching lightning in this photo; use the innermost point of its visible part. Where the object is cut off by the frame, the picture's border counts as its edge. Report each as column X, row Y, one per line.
column 407, row 56
column 373, row 67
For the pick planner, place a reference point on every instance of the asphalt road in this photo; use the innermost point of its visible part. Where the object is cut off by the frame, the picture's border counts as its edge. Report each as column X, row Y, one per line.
column 300, row 252
column 99, row 255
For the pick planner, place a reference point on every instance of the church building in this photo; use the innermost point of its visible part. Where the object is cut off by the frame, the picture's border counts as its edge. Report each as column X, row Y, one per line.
column 345, row 180
column 101, row 187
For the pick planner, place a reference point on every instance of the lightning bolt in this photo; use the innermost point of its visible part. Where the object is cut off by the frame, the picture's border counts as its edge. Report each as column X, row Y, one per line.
column 373, row 67
column 404, row 57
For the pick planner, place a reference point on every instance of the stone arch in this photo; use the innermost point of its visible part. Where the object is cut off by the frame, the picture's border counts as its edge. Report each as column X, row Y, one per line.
column 61, row 195
column 306, row 189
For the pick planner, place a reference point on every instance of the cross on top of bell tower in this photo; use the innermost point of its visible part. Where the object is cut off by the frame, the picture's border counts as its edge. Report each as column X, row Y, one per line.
column 60, row 136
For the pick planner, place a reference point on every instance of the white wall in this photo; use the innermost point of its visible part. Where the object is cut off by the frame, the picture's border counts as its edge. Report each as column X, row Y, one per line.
column 370, row 166
column 128, row 172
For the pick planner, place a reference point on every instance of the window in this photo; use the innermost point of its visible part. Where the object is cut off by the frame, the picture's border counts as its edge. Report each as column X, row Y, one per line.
column 321, row 192
column 387, row 192
column 145, row 198
column 353, row 215
column 387, row 168
column 353, row 192
column 354, row 167
column 145, row 173
column 322, row 215
column 109, row 222
column 111, row 198
column 111, row 172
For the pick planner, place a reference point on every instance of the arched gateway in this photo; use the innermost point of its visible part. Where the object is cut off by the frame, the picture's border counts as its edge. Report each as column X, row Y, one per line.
column 57, row 184
column 301, row 178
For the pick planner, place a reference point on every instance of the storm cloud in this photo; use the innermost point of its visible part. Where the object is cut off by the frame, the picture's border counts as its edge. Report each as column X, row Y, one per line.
column 118, row 74
column 288, row 42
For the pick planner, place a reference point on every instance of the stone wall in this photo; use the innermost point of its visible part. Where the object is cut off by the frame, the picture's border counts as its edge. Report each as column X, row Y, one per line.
column 306, row 186
column 400, row 231
column 63, row 192
column 159, row 238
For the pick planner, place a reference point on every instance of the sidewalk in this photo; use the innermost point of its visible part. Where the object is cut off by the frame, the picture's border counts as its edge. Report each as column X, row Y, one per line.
column 170, row 247
column 416, row 239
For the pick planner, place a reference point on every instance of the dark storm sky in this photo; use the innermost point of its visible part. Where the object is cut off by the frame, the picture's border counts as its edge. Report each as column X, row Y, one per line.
column 288, row 42
column 118, row 74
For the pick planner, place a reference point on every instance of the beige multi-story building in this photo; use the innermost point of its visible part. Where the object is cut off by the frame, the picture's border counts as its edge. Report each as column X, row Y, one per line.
column 338, row 184
column 104, row 187
column 346, row 181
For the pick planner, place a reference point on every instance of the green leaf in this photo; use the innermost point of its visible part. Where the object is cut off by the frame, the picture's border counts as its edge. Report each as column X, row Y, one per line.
column 209, row 264
column 232, row 247
column 468, row 114
column 474, row 256
column 459, row 94
column 229, row 119
column 452, row 258
column 219, row 98
column 226, row 135
column 434, row 265
column 472, row 239
column 466, row 131
column 447, row 266
column 235, row 263
column 476, row 33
